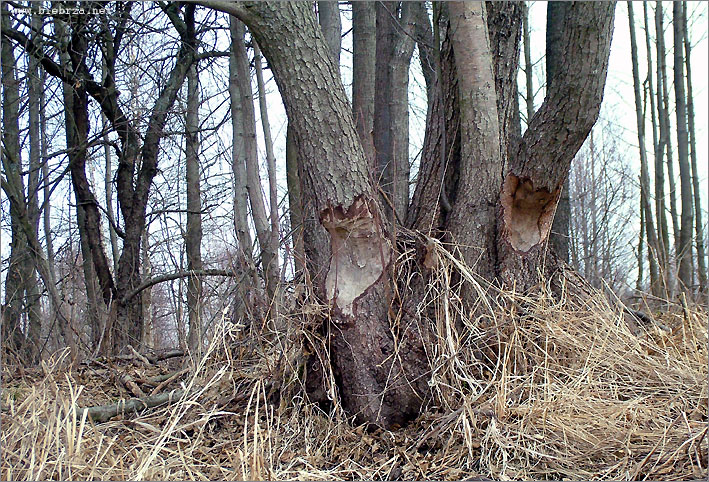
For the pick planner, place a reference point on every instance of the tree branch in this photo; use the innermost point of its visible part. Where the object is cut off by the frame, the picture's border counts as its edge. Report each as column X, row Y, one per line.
column 178, row 275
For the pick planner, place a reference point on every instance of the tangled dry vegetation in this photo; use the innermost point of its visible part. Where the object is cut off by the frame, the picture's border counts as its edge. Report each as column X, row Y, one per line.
column 562, row 390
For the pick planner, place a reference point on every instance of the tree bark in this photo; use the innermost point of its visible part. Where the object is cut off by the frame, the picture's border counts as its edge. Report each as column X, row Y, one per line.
column 684, row 249
column 699, row 225
column 356, row 254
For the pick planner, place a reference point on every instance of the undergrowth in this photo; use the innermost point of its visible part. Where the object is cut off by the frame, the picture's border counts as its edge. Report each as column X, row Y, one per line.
column 536, row 386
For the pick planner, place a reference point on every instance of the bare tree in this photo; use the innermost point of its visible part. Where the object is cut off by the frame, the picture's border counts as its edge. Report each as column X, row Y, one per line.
column 699, row 225
column 684, row 248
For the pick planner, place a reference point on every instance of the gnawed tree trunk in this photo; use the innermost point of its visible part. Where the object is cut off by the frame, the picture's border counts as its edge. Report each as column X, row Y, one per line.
column 684, row 249
column 515, row 201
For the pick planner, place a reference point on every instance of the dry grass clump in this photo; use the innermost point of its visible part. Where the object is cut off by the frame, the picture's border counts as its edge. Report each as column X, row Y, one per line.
column 524, row 387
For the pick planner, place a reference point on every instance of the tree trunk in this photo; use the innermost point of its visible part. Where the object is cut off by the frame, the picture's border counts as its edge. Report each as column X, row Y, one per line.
column 329, row 19
column 658, row 255
column 663, row 105
column 241, row 224
column 334, row 175
column 684, row 249
column 394, row 47
column 269, row 257
column 15, row 286
column 559, row 238
column 193, row 235
column 699, row 226
column 552, row 26
column 644, row 176
column 272, row 185
column 363, row 72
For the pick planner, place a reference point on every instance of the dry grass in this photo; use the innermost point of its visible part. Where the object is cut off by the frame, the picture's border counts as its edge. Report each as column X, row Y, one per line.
column 537, row 387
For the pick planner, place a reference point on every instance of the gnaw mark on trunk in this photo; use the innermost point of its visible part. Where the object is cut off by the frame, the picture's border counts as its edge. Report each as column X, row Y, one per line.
column 360, row 252
column 527, row 212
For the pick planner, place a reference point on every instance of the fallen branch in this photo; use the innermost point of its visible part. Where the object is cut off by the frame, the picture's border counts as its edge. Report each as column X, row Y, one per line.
column 104, row 413
column 167, row 381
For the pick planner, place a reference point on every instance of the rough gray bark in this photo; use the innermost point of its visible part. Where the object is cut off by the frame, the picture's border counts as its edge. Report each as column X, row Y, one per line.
column 335, row 181
column 363, row 68
column 394, row 48
column 646, row 209
column 699, row 225
column 684, row 249
column 193, row 235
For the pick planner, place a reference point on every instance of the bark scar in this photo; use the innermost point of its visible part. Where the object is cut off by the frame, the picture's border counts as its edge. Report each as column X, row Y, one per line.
column 527, row 212
column 360, row 252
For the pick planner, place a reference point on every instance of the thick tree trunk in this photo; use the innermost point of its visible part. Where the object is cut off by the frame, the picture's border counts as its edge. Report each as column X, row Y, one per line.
column 699, row 226
column 335, row 180
column 193, row 236
column 684, row 249
column 532, row 186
